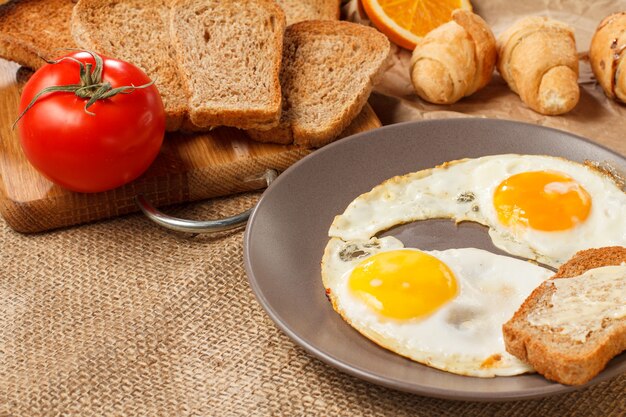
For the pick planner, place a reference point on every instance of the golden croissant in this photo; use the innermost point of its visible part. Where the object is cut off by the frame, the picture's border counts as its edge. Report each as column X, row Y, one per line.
column 454, row 60
column 537, row 58
column 607, row 55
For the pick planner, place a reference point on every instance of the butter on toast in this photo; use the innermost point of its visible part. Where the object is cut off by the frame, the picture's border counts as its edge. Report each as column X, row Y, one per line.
column 31, row 29
column 329, row 70
column 564, row 338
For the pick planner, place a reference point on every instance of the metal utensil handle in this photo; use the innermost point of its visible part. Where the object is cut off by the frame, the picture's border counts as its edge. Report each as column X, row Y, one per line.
column 198, row 226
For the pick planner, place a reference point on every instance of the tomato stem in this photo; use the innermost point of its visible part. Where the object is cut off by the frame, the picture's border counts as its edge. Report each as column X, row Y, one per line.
column 91, row 86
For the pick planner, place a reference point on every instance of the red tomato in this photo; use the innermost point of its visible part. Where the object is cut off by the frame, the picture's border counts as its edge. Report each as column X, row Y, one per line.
column 91, row 152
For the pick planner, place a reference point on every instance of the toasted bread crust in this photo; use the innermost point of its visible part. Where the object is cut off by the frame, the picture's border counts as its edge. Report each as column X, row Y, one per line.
column 205, row 110
column 99, row 25
column 592, row 258
column 302, row 10
column 29, row 31
column 341, row 103
column 540, row 349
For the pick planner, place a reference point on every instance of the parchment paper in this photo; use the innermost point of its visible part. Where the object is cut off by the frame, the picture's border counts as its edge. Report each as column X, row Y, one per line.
column 595, row 117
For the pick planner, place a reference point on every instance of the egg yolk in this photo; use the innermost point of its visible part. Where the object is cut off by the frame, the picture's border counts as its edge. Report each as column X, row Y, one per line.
column 541, row 200
column 403, row 284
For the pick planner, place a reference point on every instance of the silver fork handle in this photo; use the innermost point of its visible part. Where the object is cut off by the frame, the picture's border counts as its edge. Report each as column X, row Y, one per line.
column 198, row 226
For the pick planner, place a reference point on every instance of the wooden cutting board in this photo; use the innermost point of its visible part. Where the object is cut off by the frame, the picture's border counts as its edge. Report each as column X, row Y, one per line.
column 189, row 168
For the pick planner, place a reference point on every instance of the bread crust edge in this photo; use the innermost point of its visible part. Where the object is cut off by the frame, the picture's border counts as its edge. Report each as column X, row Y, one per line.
column 565, row 369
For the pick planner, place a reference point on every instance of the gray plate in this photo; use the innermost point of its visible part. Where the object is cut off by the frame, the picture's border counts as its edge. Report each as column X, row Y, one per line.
column 287, row 233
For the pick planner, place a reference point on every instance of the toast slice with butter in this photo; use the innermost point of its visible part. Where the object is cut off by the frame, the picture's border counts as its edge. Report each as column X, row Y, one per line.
column 136, row 31
column 32, row 29
column 229, row 55
column 329, row 70
column 574, row 323
column 301, row 10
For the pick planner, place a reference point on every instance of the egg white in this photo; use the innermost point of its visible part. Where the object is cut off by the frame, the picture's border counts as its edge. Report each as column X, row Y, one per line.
column 463, row 190
column 464, row 336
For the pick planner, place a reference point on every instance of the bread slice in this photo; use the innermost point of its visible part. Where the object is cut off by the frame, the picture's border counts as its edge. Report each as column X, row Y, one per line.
column 229, row 55
column 301, row 10
column 31, row 29
column 136, row 31
column 562, row 356
column 588, row 259
column 329, row 69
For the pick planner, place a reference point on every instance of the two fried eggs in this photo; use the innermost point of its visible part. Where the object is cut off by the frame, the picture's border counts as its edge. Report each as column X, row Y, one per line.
column 445, row 309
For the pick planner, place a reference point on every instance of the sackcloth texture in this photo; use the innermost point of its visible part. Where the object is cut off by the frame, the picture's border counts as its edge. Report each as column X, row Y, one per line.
column 122, row 318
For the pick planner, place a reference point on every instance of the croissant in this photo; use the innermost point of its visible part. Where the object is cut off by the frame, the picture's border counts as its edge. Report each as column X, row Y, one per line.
column 454, row 60
column 607, row 55
column 538, row 60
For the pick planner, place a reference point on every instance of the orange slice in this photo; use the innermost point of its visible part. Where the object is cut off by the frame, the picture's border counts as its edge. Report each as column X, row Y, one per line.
column 406, row 21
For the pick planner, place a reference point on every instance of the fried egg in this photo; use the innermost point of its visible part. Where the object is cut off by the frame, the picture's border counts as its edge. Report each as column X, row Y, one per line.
column 537, row 207
column 444, row 309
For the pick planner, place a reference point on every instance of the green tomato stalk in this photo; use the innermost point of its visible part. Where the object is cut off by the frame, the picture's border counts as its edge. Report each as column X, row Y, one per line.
column 91, row 86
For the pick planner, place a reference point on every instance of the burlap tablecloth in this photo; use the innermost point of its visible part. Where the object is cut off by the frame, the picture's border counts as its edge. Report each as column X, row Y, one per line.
column 122, row 318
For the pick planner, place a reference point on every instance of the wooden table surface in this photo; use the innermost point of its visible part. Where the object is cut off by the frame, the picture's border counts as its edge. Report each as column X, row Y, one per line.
column 190, row 167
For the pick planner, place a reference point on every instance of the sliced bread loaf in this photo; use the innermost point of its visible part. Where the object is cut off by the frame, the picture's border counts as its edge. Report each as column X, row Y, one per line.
column 229, row 55
column 136, row 31
column 31, row 29
column 301, row 10
column 329, row 69
column 574, row 323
